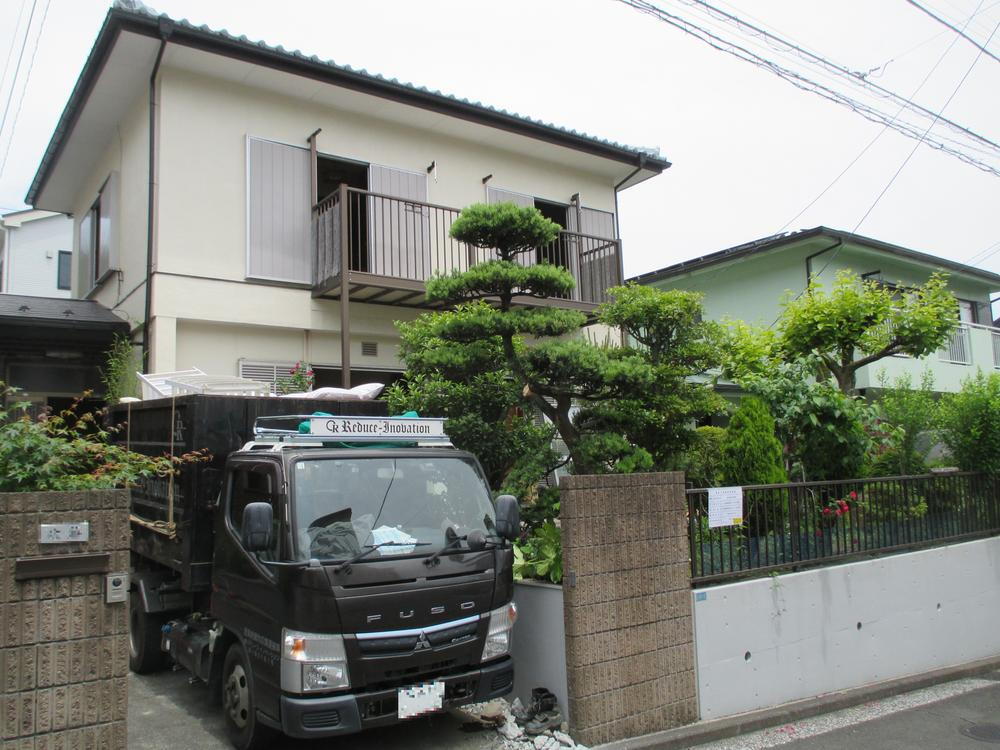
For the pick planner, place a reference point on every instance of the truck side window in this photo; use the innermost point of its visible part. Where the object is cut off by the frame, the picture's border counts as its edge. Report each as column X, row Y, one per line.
column 255, row 485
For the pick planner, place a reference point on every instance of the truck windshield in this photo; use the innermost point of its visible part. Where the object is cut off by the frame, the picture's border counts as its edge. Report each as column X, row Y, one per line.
column 342, row 506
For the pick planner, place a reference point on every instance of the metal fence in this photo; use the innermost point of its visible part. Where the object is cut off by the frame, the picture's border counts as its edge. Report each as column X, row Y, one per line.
column 817, row 523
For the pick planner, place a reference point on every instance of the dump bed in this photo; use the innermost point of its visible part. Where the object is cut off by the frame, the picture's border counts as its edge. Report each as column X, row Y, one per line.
column 221, row 424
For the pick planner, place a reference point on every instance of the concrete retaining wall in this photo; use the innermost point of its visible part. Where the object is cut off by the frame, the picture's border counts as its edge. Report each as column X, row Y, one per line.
column 769, row 641
column 64, row 655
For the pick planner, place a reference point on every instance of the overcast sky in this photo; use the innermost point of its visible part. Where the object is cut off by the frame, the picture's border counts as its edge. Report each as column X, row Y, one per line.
column 749, row 151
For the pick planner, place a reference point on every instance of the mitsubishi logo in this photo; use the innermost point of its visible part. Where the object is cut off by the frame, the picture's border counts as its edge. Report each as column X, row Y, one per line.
column 422, row 643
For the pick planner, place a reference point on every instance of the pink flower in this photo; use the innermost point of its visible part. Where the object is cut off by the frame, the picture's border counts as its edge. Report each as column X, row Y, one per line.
column 853, row 495
column 827, row 511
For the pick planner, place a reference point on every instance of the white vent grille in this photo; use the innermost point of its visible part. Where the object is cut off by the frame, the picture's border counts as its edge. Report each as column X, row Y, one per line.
column 369, row 348
column 266, row 372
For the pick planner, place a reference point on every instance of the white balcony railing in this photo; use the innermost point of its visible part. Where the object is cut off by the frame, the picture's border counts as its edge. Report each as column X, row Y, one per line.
column 995, row 335
column 957, row 349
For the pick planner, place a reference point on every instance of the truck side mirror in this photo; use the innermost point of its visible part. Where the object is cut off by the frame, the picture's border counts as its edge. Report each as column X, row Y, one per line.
column 508, row 517
column 256, row 527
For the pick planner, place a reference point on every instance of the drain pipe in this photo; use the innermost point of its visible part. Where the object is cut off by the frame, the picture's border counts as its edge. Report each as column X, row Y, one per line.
column 165, row 29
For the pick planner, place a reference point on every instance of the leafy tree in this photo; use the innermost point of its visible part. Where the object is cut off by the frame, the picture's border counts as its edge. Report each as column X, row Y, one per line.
column 969, row 423
column 67, row 451
column 471, row 386
column 905, row 413
column 863, row 317
column 667, row 330
column 826, row 433
column 751, row 454
column 558, row 368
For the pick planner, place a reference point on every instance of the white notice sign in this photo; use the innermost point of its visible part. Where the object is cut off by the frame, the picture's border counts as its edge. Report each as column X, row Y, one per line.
column 725, row 506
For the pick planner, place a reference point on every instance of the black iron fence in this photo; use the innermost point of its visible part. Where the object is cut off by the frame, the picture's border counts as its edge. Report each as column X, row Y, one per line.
column 816, row 523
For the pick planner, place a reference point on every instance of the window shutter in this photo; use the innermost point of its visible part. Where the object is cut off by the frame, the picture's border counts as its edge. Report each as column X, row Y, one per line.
column 597, row 223
column 279, row 212
column 108, row 215
column 499, row 195
column 399, row 236
column 85, row 255
column 266, row 372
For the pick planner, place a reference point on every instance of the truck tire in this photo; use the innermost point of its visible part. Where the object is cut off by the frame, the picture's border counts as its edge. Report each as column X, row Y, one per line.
column 144, row 636
column 239, row 704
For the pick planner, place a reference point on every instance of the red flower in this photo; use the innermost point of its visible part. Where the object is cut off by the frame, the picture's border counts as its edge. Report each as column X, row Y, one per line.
column 853, row 495
column 819, row 532
column 827, row 511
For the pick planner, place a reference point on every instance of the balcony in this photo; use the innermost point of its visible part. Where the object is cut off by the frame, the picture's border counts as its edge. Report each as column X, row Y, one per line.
column 391, row 246
column 971, row 347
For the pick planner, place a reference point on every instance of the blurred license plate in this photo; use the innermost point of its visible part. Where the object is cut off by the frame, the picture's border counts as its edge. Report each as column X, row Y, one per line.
column 420, row 699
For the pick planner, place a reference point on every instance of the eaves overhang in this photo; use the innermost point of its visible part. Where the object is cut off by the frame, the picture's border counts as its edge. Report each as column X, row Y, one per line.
column 142, row 22
column 778, row 241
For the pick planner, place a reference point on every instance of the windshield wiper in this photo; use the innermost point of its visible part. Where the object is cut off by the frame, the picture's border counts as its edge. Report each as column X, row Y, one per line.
column 475, row 538
column 345, row 567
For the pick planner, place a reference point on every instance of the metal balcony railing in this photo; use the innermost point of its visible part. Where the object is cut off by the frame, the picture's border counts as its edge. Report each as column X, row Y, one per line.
column 392, row 243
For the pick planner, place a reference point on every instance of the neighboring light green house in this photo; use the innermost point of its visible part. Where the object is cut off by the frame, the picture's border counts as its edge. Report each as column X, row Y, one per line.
column 750, row 281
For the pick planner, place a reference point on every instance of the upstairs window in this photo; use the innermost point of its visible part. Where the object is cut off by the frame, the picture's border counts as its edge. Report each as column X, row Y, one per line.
column 63, row 271
column 97, row 242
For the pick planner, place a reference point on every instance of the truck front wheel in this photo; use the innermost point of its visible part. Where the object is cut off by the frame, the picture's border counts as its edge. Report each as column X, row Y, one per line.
column 144, row 635
column 238, row 704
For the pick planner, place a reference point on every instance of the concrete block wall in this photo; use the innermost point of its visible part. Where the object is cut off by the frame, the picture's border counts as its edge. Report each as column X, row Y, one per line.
column 626, row 584
column 64, row 655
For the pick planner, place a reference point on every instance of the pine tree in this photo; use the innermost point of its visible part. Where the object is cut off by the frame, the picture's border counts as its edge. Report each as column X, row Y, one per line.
column 751, row 454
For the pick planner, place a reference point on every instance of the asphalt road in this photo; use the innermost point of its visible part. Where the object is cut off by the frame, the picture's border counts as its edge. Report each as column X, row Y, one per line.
column 167, row 713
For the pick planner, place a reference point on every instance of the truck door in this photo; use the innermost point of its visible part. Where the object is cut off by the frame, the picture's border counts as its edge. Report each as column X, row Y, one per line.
column 247, row 597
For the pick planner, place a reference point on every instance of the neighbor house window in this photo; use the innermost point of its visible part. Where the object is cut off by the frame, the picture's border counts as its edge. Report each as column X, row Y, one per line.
column 96, row 236
column 967, row 311
column 63, row 272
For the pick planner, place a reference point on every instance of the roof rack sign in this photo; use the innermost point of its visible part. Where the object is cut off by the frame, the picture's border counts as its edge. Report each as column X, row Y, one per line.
column 377, row 428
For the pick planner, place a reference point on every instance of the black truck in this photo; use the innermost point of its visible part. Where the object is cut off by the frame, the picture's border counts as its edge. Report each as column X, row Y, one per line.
column 331, row 574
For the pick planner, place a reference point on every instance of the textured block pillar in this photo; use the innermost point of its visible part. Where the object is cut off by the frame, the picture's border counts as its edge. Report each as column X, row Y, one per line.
column 63, row 650
column 627, row 594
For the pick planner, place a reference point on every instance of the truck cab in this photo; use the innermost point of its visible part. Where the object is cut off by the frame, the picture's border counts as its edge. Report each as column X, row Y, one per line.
column 359, row 578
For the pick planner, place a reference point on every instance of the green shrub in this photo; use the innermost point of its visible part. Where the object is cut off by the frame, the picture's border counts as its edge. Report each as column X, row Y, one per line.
column 702, row 462
column 969, row 423
column 66, row 451
column 905, row 413
column 540, row 555
column 751, row 454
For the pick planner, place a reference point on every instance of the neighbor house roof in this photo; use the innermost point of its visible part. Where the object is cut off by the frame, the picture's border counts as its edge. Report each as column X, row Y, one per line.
column 790, row 238
column 133, row 16
column 16, row 309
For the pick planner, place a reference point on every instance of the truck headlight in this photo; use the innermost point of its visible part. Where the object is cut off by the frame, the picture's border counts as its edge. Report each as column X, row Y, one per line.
column 498, row 635
column 312, row 662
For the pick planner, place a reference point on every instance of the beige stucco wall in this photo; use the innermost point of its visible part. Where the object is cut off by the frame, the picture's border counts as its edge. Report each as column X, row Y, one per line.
column 205, row 313
column 128, row 156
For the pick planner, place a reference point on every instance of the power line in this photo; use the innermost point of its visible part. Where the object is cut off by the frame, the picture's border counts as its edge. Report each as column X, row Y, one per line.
column 17, row 68
column 884, row 128
column 24, row 89
column 960, row 32
column 13, row 43
column 913, row 151
column 778, row 43
column 985, row 253
column 802, row 82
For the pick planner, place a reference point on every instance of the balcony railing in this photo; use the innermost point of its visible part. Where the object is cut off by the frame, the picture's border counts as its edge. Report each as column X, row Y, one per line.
column 391, row 246
column 957, row 348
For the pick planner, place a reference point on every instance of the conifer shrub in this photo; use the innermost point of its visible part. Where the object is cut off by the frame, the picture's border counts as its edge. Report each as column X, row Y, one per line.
column 751, row 454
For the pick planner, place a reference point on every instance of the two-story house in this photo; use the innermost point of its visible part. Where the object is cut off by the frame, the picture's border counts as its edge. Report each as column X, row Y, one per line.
column 246, row 207
column 750, row 281
column 36, row 253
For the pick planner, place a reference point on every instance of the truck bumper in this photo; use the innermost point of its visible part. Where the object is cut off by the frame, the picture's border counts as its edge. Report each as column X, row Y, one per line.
column 344, row 714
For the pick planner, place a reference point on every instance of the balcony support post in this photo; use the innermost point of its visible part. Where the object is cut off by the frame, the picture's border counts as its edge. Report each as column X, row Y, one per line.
column 345, row 289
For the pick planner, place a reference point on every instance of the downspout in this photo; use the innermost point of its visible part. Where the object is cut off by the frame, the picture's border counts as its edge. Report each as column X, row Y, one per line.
column 618, row 233
column 165, row 30
column 809, row 258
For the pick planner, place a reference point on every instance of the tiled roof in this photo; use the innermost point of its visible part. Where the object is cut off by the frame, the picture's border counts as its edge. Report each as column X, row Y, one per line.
column 20, row 308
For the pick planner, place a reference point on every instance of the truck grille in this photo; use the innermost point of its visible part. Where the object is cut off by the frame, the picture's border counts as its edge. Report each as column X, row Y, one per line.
column 321, row 719
column 404, row 644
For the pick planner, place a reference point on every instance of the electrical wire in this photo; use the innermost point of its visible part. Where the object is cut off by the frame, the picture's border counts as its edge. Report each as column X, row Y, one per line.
column 883, row 130
column 24, row 89
column 913, row 151
column 911, row 130
column 960, row 32
column 13, row 43
column 17, row 68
